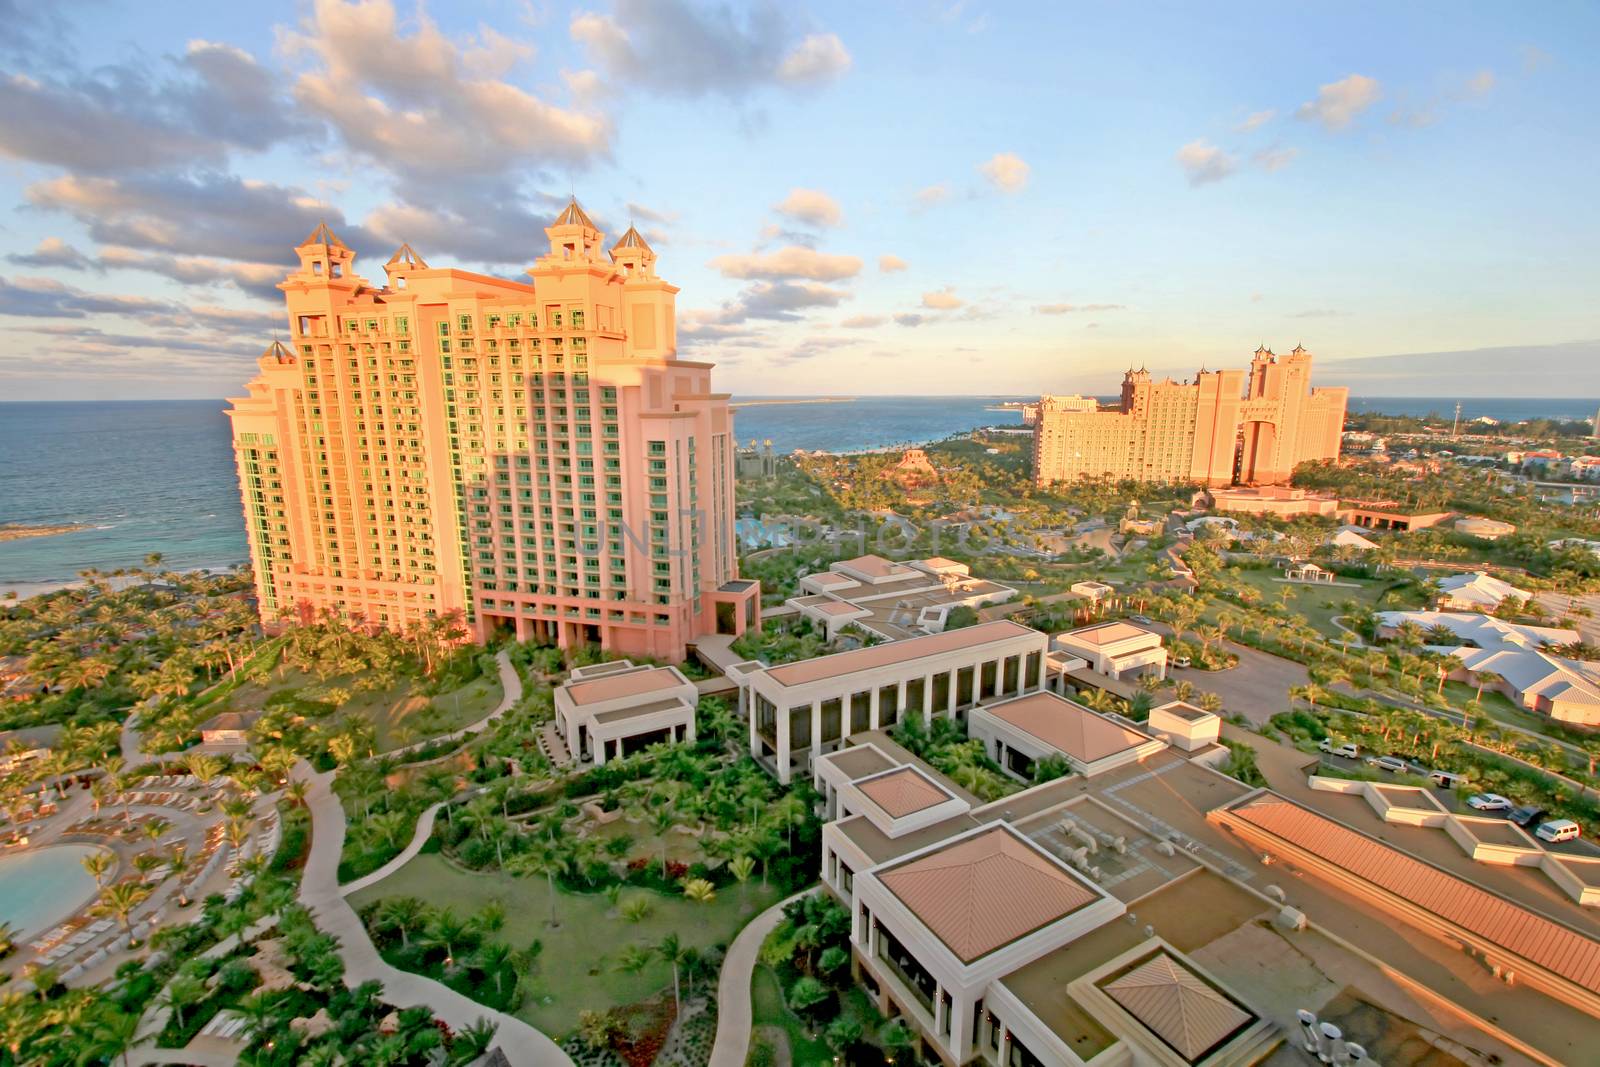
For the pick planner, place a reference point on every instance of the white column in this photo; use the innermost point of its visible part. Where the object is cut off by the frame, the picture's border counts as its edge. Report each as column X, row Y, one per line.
column 872, row 707
column 816, row 730
column 781, row 726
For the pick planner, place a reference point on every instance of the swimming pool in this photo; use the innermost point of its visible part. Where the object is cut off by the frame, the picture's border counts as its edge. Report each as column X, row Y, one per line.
column 39, row 887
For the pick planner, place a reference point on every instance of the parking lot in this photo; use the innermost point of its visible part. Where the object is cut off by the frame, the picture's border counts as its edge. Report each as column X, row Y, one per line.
column 1455, row 801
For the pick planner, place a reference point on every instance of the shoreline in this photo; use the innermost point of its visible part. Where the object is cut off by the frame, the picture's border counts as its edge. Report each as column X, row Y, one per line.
column 28, row 589
column 784, row 401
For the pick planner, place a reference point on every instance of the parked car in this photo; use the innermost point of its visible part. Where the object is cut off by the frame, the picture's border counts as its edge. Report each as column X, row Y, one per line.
column 1142, row 620
column 1392, row 764
column 1527, row 817
column 1489, row 802
column 1182, row 661
column 1349, row 749
column 1446, row 780
column 1557, row 830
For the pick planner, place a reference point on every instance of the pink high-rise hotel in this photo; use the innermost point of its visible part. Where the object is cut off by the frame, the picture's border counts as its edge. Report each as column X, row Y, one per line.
column 532, row 457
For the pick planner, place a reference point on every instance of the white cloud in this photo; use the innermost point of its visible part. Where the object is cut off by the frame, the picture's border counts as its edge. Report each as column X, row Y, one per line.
column 1255, row 120
column 1275, row 159
column 1071, row 309
column 942, row 299
column 1006, row 171
column 933, row 194
column 811, row 205
column 888, row 264
column 1340, row 103
column 675, row 48
column 790, row 262
column 1204, row 162
column 425, row 104
column 821, row 57
column 862, row 322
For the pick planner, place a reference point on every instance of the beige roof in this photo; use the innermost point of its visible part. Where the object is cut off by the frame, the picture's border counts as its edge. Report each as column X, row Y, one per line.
column 573, row 215
column 902, row 792
column 1178, row 1006
column 1106, row 633
column 1545, row 942
column 617, row 686
column 1066, row 727
column 839, row 607
column 859, row 761
column 985, row 891
column 913, row 648
column 872, row 566
column 827, row 578
column 940, row 562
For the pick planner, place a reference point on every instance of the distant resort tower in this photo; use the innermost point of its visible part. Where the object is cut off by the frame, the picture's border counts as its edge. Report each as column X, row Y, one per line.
column 532, row 457
column 1223, row 428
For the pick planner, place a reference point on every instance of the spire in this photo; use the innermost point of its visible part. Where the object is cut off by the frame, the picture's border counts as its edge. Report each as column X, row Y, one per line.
column 573, row 215
column 322, row 236
column 278, row 352
column 631, row 239
column 406, row 256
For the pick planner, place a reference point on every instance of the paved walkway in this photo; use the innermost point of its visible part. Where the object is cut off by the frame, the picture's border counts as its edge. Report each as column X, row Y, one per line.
column 734, row 1015
column 522, row 1045
column 418, row 839
column 510, row 684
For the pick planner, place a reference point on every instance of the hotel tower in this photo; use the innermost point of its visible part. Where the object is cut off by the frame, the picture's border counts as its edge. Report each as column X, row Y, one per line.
column 1225, row 427
column 531, row 457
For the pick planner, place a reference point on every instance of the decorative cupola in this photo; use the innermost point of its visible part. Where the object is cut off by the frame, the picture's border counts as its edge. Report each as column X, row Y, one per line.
column 404, row 261
column 633, row 254
column 324, row 256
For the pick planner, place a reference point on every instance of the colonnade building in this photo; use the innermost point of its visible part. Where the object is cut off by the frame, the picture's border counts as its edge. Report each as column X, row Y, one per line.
column 527, row 456
column 1222, row 428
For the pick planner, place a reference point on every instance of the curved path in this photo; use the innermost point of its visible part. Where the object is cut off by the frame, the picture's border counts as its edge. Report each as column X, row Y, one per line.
column 510, row 685
column 734, row 1015
column 418, row 839
column 522, row 1045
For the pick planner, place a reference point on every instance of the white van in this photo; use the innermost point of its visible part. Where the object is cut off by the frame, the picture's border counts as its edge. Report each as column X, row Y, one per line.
column 1446, row 780
column 1557, row 830
column 1349, row 749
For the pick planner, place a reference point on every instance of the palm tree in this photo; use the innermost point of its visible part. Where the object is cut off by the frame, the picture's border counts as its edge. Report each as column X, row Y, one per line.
column 546, row 859
column 492, row 958
column 178, row 865
column 120, row 900
column 180, row 993
column 672, row 949
column 99, row 863
column 1311, row 692
column 444, row 929
column 404, row 914
column 1485, row 679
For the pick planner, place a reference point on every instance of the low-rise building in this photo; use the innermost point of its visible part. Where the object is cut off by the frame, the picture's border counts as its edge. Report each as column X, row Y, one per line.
column 1388, row 515
column 228, row 728
column 799, row 711
column 1484, row 529
column 1119, row 650
column 1477, row 591
column 1148, row 916
column 1019, row 732
column 1275, row 500
column 1350, row 537
column 890, row 599
column 1306, row 572
column 1510, row 658
column 1094, row 592
column 611, row 710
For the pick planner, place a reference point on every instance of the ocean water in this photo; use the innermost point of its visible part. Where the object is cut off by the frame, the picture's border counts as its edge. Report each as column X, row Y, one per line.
column 158, row 475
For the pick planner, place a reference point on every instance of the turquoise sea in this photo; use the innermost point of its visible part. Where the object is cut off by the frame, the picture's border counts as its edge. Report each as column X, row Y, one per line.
column 158, row 475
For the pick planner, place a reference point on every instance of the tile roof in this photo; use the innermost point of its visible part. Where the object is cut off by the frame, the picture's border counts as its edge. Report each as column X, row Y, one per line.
column 872, row 566
column 1067, row 727
column 902, row 792
column 1106, row 633
column 573, row 215
column 912, row 648
column 1178, row 1006
column 1542, row 941
column 617, row 686
column 986, row 891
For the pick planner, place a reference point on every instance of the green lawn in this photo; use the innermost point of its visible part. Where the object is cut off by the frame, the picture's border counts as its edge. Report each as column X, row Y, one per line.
column 1320, row 603
column 395, row 712
column 577, row 965
column 768, row 1009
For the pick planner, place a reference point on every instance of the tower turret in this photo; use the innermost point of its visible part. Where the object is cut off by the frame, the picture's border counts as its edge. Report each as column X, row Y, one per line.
column 573, row 235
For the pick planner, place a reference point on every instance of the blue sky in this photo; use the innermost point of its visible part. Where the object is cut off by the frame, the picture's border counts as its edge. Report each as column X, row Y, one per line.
column 1061, row 190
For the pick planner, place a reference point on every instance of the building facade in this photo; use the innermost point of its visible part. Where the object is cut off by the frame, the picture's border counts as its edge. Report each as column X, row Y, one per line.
column 1222, row 428
column 529, row 457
